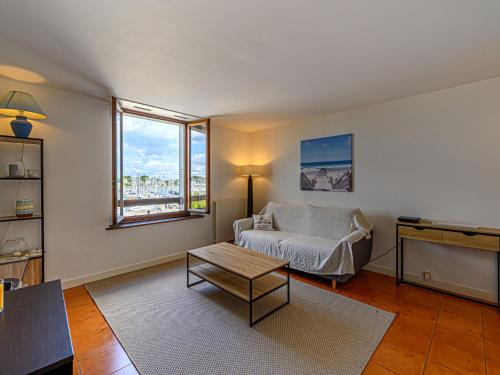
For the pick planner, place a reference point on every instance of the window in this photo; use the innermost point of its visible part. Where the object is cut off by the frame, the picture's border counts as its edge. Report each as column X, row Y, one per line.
column 198, row 144
column 160, row 163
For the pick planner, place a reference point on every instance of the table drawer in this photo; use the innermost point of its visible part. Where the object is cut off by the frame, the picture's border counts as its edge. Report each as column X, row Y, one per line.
column 467, row 239
column 432, row 235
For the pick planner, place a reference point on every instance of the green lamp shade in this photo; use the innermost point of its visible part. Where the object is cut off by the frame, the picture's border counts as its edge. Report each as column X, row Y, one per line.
column 17, row 103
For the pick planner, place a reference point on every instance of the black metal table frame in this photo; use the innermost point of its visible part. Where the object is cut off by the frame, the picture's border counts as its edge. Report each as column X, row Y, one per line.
column 251, row 300
column 400, row 264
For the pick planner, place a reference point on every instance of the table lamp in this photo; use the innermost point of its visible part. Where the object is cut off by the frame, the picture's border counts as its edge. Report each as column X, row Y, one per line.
column 250, row 171
column 23, row 106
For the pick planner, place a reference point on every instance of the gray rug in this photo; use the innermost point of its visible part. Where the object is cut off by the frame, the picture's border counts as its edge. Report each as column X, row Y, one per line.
column 167, row 328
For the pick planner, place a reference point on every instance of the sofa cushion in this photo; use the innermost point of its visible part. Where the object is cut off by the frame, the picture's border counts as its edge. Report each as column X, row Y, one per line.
column 263, row 222
column 263, row 241
column 288, row 217
column 306, row 252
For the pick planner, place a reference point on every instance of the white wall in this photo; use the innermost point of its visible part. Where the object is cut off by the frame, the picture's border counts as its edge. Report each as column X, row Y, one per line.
column 77, row 135
column 434, row 155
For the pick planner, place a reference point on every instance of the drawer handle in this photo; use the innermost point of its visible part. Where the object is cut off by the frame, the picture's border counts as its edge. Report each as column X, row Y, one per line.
column 469, row 234
column 418, row 228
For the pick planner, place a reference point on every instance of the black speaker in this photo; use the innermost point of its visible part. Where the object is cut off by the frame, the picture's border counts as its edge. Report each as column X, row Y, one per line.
column 409, row 219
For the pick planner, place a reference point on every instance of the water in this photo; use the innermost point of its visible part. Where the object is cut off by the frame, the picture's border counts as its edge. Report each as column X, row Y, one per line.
column 335, row 164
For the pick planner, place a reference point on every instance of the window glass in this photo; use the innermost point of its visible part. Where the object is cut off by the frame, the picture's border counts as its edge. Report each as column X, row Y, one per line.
column 118, row 166
column 153, row 167
column 198, row 142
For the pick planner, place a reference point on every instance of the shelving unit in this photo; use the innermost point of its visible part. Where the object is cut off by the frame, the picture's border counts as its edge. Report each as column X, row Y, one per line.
column 15, row 218
column 20, row 178
column 35, row 268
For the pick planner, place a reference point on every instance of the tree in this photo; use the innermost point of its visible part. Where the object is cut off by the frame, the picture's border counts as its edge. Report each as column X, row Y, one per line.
column 127, row 181
column 197, row 204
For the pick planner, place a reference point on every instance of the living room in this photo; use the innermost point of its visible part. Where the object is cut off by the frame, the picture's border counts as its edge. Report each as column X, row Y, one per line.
column 138, row 140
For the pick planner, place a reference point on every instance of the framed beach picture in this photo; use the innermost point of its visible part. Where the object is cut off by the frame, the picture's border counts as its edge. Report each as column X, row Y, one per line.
column 326, row 163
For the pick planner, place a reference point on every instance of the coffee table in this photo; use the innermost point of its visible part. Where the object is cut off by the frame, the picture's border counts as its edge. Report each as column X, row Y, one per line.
column 244, row 273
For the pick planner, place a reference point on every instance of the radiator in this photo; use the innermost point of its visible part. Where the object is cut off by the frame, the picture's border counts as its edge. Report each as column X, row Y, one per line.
column 226, row 211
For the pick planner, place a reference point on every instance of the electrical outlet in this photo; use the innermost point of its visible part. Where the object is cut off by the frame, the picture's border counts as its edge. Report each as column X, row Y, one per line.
column 427, row 275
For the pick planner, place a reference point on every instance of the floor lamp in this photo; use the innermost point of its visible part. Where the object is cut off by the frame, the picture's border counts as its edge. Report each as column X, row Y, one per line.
column 250, row 171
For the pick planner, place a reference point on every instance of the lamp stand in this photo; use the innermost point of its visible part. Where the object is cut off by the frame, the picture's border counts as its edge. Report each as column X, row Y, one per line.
column 21, row 127
column 250, row 197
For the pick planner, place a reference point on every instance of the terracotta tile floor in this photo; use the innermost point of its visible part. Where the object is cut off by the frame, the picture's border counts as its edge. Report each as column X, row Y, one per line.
column 432, row 334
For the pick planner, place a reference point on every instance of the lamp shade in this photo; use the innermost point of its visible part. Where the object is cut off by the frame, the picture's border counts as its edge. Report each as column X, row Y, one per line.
column 17, row 103
column 253, row 170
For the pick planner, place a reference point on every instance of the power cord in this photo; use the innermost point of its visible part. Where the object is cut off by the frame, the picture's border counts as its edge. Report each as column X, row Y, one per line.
column 384, row 254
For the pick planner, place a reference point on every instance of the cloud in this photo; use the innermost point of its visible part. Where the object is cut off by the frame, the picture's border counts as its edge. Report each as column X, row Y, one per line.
column 198, row 157
column 150, row 147
column 198, row 138
column 161, row 166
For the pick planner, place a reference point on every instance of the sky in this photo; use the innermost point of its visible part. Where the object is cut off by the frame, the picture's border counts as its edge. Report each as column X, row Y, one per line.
column 152, row 148
column 334, row 148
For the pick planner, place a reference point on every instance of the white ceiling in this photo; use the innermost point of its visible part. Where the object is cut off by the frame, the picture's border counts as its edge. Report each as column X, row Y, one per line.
column 239, row 57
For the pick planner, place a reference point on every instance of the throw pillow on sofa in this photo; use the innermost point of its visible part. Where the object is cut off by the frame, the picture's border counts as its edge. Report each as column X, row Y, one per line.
column 263, row 222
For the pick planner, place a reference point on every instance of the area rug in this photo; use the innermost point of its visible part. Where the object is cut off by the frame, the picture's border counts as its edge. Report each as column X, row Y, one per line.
column 167, row 328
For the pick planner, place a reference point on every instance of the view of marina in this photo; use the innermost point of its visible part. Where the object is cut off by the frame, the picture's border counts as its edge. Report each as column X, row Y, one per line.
column 162, row 193
column 153, row 167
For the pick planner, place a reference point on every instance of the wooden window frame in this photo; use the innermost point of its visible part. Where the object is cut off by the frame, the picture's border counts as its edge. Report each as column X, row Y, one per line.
column 131, row 221
column 115, row 108
column 206, row 210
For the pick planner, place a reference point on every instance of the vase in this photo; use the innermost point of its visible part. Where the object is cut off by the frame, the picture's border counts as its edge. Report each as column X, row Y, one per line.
column 24, row 208
column 21, row 127
column 14, row 169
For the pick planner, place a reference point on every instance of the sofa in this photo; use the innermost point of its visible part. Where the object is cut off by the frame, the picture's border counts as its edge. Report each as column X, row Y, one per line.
column 331, row 242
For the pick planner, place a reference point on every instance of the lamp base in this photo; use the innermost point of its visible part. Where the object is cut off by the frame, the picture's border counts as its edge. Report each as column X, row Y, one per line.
column 250, row 197
column 21, row 127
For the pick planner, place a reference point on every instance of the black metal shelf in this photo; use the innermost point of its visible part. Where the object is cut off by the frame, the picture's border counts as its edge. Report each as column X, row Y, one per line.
column 12, row 139
column 4, row 219
column 40, row 217
column 21, row 178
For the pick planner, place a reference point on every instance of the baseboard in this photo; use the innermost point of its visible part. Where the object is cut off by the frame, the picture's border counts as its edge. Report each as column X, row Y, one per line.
column 384, row 270
column 445, row 285
column 440, row 284
column 77, row 281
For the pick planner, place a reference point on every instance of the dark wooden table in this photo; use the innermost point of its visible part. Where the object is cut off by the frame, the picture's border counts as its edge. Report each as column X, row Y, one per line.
column 34, row 332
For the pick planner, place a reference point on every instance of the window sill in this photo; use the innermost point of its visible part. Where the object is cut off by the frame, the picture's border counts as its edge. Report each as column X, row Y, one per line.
column 133, row 224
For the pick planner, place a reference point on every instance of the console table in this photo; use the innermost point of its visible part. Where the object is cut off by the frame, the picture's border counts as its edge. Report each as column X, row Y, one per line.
column 484, row 239
column 34, row 333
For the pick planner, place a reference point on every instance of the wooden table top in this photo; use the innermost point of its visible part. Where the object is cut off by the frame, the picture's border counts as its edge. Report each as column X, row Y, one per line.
column 34, row 333
column 243, row 262
column 429, row 224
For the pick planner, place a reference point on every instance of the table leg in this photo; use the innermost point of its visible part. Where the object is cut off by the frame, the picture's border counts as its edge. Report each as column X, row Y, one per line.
column 397, row 254
column 187, row 275
column 498, row 279
column 402, row 261
column 250, row 304
column 187, row 270
column 288, row 283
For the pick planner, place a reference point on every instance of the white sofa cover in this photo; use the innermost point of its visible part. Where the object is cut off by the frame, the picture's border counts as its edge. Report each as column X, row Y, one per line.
column 314, row 239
